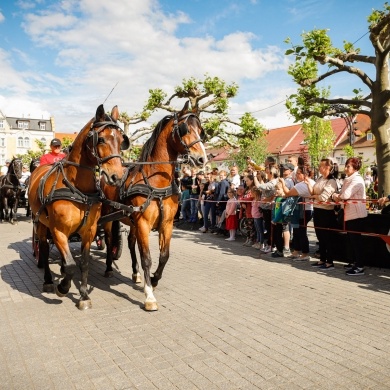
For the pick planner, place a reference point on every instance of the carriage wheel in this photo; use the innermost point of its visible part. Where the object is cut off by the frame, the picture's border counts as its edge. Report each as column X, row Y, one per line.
column 242, row 227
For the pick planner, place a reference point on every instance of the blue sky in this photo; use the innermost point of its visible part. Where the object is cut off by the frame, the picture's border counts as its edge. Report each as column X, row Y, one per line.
column 62, row 58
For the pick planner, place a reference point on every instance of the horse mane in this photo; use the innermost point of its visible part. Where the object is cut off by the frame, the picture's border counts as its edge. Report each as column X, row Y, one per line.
column 148, row 147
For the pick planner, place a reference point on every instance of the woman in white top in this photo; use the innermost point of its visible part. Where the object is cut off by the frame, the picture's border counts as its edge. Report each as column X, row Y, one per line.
column 355, row 213
column 300, row 239
column 324, row 216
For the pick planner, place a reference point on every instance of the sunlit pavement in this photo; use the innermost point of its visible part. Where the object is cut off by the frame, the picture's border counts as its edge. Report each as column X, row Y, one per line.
column 227, row 320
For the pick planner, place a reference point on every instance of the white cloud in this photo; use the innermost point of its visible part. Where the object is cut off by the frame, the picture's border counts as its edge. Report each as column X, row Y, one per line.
column 97, row 45
column 2, row 18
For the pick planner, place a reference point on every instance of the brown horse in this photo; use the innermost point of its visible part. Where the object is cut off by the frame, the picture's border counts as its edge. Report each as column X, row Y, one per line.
column 10, row 191
column 65, row 198
column 150, row 195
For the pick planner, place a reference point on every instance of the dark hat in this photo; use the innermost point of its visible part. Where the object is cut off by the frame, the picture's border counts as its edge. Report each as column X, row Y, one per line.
column 55, row 142
column 288, row 166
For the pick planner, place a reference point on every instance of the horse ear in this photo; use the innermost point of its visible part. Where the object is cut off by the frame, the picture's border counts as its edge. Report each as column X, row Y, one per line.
column 115, row 113
column 184, row 110
column 100, row 114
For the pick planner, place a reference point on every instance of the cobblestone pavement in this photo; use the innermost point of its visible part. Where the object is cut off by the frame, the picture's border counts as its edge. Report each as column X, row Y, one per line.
column 227, row 320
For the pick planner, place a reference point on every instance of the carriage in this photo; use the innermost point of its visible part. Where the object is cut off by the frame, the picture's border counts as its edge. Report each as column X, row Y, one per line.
column 67, row 199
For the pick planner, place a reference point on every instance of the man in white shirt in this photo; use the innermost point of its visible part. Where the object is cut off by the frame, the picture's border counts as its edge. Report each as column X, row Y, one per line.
column 4, row 168
column 234, row 178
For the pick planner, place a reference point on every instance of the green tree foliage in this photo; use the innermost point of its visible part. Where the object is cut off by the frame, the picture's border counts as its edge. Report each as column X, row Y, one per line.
column 317, row 60
column 319, row 138
column 210, row 97
column 257, row 151
column 31, row 155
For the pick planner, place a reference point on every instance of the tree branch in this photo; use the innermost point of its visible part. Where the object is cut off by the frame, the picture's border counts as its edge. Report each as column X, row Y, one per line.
column 350, row 102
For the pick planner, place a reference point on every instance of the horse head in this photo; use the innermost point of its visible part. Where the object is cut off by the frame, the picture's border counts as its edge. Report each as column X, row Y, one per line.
column 15, row 168
column 188, row 135
column 104, row 142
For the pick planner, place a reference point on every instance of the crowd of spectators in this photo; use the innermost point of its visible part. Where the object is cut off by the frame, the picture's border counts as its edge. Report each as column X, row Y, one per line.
column 272, row 205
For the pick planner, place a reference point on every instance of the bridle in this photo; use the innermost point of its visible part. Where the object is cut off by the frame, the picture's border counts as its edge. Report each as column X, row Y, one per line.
column 96, row 129
column 182, row 129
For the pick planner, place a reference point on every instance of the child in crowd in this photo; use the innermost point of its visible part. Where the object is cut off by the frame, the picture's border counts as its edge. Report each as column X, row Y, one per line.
column 185, row 203
column 278, row 223
column 257, row 219
column 231, row 215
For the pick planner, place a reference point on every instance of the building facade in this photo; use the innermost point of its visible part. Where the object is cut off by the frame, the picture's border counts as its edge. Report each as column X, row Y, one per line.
column 18, row 135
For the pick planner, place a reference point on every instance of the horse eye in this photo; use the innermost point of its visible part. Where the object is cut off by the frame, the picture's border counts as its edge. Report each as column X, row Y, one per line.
column 101, row 140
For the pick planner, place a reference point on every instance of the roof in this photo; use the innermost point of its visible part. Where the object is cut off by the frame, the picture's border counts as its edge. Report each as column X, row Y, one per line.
column 34, row 124
column 61, row 136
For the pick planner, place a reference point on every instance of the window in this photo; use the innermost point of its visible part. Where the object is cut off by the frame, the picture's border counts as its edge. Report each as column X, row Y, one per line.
column 42, row 126
column 370, row 137
column 1, row 124
column 43, row 139
column 20, row 142
column 2, row 141
column 22, row 125
column 341, row 160
column 26, row 142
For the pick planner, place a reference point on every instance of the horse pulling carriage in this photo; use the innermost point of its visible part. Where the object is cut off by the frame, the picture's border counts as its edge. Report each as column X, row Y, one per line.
column 66, row 198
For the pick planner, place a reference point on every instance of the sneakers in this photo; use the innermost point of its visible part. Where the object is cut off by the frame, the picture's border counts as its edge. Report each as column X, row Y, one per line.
column 256, row 245
column 203, row 229
column 277, row 254
column 230, row 239
column 267, row 249
column 349, row 265
column 248, row 243
column 355, row 271
column 286, row 253
column 324, row 267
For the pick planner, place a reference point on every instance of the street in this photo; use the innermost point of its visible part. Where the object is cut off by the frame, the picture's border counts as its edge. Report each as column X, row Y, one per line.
column 226, row 320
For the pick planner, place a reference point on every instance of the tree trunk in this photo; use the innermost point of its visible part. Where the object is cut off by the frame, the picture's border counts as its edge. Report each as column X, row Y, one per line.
column 382, row 146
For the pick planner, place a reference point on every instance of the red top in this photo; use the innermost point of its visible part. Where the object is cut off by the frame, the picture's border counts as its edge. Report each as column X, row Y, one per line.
column 247, row 200
column 51, row 158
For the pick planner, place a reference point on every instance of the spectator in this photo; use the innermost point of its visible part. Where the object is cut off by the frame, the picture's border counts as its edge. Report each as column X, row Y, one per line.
column 301, row 189
column 293, row 160
column 246, row 206
column 25, row 174
column 55, row 154
column 185, row 203
column 4, row 168
column 209, row 206
column 267, row 197
column 257, row 219
column 279, row 226
column 355, row 213
column 231, row 215
column 324, row 215
column 234, row 178
column 368, row 180
column 194, row 196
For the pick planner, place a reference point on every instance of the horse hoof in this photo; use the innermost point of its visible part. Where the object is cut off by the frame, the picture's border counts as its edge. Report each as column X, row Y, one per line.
column 48, row 288
column 108, row 274
column 136, row 278
column 60, row 293
column 84, row 304
column 151, row 306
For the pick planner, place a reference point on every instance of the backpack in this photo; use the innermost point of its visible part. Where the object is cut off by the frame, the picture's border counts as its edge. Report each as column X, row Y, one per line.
column 288, row 206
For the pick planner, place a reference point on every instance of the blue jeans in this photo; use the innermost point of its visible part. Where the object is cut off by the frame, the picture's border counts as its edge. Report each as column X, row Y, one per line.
column 259, row 226
column 194, row 208
column 209, row 208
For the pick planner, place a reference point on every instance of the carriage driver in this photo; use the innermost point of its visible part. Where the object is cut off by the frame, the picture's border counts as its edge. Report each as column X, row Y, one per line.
column 55, row 154
column 4, row 168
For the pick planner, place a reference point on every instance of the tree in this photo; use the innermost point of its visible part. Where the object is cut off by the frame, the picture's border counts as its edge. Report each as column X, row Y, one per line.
column 317, row 50
column 31, row 155
column 210, row 97
column 319, row 138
